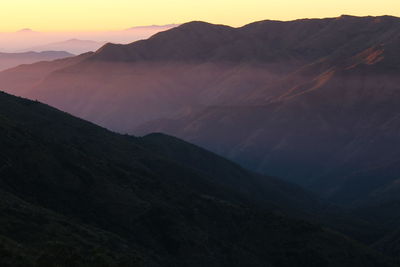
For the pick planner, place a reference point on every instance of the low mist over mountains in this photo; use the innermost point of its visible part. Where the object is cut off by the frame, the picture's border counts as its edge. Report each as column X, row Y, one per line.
column 75, row 46
column 29, row 40
column 10, row 60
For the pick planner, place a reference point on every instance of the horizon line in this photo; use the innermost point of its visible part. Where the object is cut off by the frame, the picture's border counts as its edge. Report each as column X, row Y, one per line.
column 30, row 30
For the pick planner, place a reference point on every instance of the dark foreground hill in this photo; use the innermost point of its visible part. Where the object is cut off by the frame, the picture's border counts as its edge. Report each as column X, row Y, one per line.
column 75, row 194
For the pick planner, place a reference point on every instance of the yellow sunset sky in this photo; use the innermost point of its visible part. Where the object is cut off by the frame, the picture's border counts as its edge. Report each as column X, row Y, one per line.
column 83, row 15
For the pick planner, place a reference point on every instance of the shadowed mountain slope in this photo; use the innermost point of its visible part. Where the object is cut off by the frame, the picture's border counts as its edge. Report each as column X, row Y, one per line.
column 76, row 194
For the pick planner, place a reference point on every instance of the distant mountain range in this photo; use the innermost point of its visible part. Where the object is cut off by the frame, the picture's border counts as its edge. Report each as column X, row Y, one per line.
column 74, row 46
column 10, row 60
column 313, row 101
column 74, row 42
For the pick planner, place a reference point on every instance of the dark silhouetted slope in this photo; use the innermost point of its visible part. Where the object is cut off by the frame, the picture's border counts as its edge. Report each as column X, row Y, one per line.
column 76, row 194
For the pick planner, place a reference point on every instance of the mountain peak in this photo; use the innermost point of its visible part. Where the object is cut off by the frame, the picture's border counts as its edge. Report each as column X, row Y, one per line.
column 197, row 24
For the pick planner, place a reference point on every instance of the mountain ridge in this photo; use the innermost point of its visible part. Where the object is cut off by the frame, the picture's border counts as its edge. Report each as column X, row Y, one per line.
column 244, row 93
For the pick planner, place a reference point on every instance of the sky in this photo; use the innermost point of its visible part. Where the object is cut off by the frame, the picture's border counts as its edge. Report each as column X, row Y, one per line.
column 93, row 15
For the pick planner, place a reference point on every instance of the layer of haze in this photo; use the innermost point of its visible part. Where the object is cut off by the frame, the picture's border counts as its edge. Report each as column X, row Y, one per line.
column 75, row 42
column 78, row 15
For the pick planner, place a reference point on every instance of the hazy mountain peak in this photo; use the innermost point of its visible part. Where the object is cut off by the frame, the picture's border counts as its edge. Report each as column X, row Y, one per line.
column 26, row 30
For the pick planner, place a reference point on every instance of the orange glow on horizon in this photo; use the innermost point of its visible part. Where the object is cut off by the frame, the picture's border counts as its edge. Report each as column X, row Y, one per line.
column 90, row 15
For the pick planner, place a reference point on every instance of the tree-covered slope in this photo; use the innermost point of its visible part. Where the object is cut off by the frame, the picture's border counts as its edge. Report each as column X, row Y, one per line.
column 77, row 194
